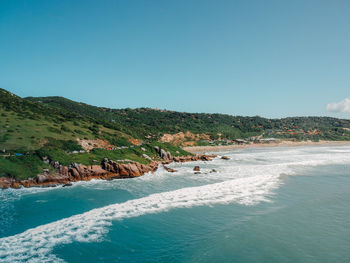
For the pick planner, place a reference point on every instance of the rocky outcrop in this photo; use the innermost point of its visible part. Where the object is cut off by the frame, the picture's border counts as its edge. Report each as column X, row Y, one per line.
column 170, row 170
column 146, row 157
column 184, row 139
column 45, row 179
column 191, row 158
column 127, row 170
column 108, row 169
column 6, row 182
column 163, row 154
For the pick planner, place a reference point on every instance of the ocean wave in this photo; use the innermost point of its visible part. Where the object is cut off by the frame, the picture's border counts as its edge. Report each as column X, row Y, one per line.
column 246, row 179
column 35, row 245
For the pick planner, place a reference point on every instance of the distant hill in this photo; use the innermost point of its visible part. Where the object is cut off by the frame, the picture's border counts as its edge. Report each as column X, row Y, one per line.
column 142, row 122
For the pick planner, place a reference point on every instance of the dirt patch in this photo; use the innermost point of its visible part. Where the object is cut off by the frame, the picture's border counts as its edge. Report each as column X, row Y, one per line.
column 43, row 141
column 184, row 139
column 91, row 144
column 135, row 141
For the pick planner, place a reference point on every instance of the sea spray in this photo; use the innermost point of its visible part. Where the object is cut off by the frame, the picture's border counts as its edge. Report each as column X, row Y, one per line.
column 247, row 179
column 91, row 226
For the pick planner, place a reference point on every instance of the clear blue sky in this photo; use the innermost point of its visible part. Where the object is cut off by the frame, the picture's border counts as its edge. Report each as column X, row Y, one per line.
column 267, row 58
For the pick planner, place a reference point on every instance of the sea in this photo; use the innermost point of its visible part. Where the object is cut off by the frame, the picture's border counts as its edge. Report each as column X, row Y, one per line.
column 276, row 204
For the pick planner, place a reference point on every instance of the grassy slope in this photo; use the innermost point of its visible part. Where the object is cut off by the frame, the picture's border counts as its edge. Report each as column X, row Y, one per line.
column 38, row 129
column 97, row 155
column 145, row 121
column 148, row 122
column 22, row 167
column 25, row 125
column 104, row 116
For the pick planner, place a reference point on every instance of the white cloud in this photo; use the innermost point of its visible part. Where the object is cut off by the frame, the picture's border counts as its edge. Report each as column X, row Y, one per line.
column 342, row 106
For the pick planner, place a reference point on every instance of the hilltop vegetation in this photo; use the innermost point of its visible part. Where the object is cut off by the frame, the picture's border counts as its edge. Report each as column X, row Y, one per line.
column 153, row 123
column 104, row 116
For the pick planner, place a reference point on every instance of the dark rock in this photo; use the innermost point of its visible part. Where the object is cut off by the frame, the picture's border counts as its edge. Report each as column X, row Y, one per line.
column 64, row 170
column 55, row 164
column 50, row 185
column 170, row 170
column 163, row 154
column 75, row 165
column 16, row 185
column 196, row 168
column 41, row 178
column 73, row 172
column 225, row 158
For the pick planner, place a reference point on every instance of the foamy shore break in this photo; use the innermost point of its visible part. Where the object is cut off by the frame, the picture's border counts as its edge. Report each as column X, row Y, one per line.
column 107, row 170
column 281, row 143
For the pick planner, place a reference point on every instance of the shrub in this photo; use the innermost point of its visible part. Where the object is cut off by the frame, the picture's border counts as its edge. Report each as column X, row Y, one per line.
column 66, row 145
column 54, row 130
column 65, row 128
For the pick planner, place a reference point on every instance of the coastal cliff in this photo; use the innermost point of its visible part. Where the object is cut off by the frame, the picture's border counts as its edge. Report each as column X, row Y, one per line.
column 107, row 170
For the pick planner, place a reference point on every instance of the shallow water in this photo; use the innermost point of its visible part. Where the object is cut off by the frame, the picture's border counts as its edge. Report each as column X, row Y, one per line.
column 263, row 205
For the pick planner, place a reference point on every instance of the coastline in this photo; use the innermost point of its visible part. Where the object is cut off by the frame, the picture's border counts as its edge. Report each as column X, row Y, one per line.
column 203, row 149
column 107, row 170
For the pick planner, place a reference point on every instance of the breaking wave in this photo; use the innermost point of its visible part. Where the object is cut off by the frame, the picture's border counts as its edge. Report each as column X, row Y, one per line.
column 244, row 184
column 34, row 245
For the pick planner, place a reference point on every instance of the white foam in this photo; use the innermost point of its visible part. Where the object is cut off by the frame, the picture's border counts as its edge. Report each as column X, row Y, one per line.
column 35, row 244
column 247, row 179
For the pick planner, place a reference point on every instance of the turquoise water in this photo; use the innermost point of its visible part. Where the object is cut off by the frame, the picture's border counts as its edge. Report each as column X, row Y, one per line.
column 263, row 205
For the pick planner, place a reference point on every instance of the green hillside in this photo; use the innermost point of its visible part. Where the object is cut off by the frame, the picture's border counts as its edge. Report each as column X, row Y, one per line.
column 27, row 125
column 143, row 122
column 104, row 116
column 31, row 130
column 55, row 127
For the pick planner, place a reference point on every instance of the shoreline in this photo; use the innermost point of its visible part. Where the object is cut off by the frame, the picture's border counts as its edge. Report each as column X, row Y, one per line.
column 107, row 170
column 217, row 148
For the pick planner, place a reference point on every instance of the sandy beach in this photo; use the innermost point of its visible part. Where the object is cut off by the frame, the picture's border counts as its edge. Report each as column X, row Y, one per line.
column 201, row 149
